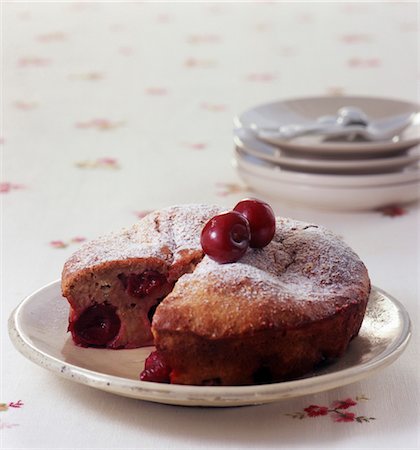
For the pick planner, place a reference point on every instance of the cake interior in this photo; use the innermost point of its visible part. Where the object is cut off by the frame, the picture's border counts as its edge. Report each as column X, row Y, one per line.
column 113, row 306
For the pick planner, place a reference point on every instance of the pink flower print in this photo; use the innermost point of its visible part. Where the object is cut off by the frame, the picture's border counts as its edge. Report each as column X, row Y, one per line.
column 364, row 63
column 6, row 187
column 263, row 77
column 17, row 404
column 203, row 39
column 315, row 410
column 356, row 38
column 5, row 425
column 213, row 107
column 335, row 411
column 143, row 213
column 344, row 417
column 156, row 91
column 344, row 404
column 88, row 76
column 25, row 105
column 78, row 239
column 195, row 145
column 193, row 63
column 6, row 406
column 99, row 124
column 108, row 162
column 100, row 163
column 33, row 61
column 54, row 36
column 58, row 244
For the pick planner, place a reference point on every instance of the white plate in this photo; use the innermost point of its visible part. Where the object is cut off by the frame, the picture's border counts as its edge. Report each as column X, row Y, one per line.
column 38, row 330
column 263, row 168
column 306, row 110
column 330, row 198
column 249, row 143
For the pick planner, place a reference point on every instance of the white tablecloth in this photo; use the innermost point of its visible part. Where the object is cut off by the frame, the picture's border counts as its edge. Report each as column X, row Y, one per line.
column 113, row 109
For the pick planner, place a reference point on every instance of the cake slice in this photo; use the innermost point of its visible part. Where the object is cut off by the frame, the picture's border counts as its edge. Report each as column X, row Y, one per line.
column 114, row 283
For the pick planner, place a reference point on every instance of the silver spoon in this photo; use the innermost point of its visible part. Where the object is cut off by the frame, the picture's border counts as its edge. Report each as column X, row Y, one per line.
column 350, row 115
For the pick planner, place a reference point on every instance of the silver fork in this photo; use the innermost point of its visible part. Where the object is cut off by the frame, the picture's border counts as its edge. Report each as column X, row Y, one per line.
column 349, row 122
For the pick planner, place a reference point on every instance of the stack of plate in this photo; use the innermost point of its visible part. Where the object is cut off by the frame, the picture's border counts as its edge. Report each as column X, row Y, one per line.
column 329, row 174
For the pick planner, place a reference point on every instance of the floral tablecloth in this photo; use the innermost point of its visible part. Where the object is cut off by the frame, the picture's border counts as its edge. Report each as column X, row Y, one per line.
column 113, row 109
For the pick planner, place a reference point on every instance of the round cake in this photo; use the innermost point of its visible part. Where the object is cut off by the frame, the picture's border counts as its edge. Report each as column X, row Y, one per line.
column 273, row 315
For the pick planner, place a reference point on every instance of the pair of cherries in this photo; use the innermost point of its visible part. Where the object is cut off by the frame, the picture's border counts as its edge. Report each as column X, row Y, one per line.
column 226, row 237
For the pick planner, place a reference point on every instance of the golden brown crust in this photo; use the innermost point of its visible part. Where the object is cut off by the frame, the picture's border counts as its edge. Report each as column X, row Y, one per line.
column 265, row 356
column 208, row 310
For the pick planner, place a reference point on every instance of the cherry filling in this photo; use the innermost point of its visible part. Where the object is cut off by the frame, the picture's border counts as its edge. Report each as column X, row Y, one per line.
column 143, row 284
column 96, row 326
column 155, row 369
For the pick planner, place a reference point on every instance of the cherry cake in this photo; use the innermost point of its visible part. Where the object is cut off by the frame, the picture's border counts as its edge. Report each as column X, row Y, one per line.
column 272, row 312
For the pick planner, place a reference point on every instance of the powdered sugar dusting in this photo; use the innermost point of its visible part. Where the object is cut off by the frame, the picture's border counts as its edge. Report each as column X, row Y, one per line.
column 303, row 262
column 161, row 234
column 186, row 229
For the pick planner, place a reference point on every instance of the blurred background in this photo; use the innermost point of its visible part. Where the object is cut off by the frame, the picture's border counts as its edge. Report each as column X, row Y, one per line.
column 115, row 109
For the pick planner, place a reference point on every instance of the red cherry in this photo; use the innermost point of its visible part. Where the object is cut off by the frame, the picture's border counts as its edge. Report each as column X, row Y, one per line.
column 155, row 369
column 141, row 285
column 261, row 218
column 225, row 237
column 96, row 326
